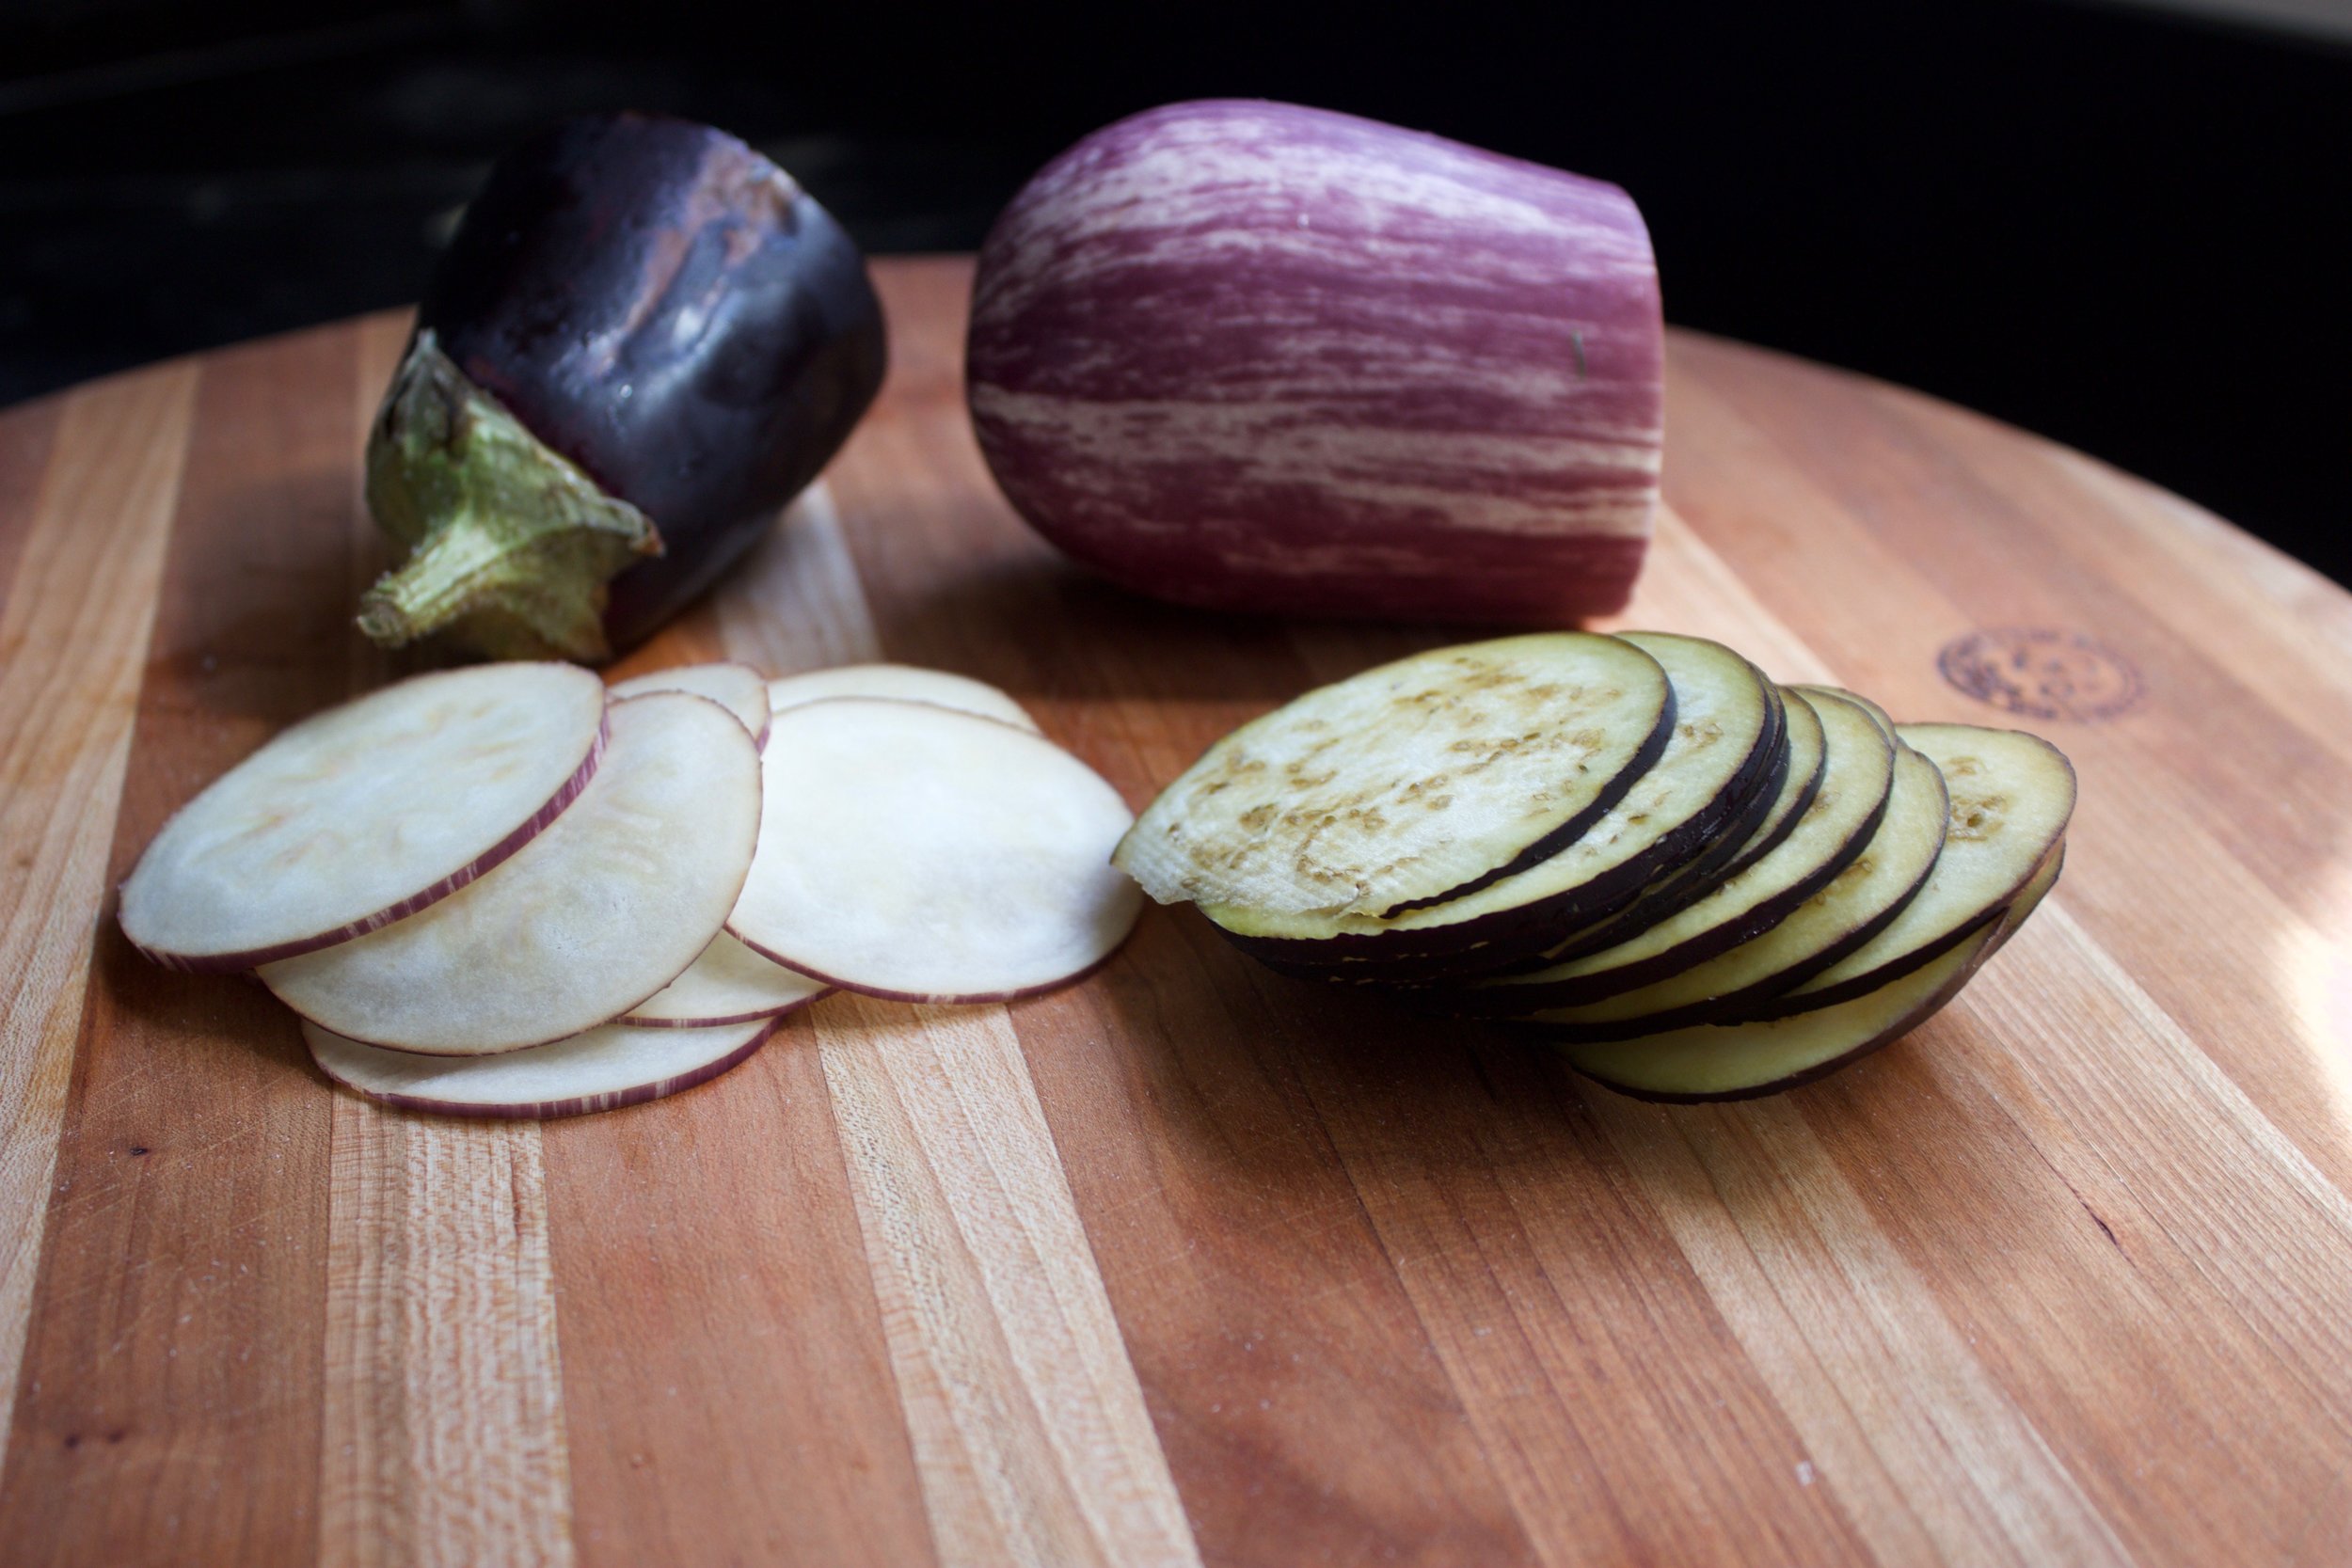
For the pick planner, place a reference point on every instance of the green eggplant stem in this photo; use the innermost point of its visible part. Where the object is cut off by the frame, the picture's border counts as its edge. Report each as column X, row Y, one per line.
column 509, row 544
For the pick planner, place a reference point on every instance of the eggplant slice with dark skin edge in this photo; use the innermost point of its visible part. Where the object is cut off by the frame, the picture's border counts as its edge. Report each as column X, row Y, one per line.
column 1706, row 1063
column 1718, row 775
column 1843, row 820
column 644, row 341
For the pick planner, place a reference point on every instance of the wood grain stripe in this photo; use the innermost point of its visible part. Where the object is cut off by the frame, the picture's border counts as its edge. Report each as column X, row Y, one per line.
column 1929, row 1456
column 444, row 1440
column 27, row 433
column 710, row 1274
column 444, row 1437
column 1028, row 1425
column 74, row 635
column 795, row 603
column 176, row 1323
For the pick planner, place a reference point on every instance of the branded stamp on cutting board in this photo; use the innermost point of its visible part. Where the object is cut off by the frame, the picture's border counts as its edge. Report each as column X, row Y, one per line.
column 2042, row 673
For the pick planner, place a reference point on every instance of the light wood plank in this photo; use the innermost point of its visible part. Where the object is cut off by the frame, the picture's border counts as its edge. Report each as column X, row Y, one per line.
column 444, row 1440
column 1929, row 1455
column 727, row 1386
column 2253, row 976
column 80, row 608
column 795, row 603
column 1028, row 1426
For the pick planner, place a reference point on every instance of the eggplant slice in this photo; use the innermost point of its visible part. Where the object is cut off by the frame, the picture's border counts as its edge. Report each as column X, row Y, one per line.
column 1727, row 747
column 1856, row 905
column 921, row 854
column 905, row 683
column 365, row 815
column 1832, row 834
column 598, row 1070
column 2011, row 795
column 729, row 984
column 606, row 907
column 1799, row 783
column 1418, row 780
column 1742, row 1061
column 737, row 688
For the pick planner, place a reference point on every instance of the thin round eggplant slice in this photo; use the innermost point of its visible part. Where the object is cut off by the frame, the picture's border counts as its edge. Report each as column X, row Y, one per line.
column 1878, row 715
column 600, row 1069
column 2012, row 795
column 1742, row 1061
column 1839, row 825
column 729, row 984
column 1799, row 783
column 1856, row 905
column 737, row 688
column 601, row 910
column 1722, row 746
column 364, row 814
column 915, row 852
column 907, row 683
column 1808, row 760
column 1417, row 780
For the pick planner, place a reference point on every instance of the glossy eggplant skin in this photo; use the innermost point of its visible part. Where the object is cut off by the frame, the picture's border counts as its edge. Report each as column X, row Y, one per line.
column 664, row 307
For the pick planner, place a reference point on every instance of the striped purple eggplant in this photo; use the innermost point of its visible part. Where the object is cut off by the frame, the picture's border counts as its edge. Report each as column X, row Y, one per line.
column 1257, row 357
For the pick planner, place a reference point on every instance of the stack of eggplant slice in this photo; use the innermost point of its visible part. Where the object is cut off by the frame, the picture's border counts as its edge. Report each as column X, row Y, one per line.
column 1701, row 885
column 508, row 892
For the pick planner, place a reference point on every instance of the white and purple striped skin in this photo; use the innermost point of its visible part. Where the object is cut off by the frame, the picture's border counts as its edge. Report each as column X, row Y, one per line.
column 1257, row 357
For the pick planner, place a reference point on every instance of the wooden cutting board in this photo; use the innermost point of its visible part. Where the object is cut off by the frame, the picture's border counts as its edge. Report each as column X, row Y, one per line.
column 1189, row 1263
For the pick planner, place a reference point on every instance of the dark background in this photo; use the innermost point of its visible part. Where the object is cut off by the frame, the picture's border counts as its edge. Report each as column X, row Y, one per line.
column 2108, row 224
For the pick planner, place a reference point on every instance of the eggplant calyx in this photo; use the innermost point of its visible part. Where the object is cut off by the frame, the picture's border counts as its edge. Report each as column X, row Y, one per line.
column 510, row 545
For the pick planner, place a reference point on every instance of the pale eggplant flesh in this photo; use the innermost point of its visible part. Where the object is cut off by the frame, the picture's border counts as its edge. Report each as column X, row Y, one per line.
column 1716, row 777
column 643, row 341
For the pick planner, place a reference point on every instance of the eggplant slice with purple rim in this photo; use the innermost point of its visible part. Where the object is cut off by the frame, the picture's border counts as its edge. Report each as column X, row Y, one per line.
column 644, row 341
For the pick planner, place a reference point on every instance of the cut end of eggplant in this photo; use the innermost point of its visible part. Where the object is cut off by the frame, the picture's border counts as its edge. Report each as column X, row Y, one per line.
column 511, row 546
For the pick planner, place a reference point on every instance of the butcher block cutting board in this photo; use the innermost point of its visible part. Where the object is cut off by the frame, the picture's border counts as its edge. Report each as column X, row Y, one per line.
column 1190, row 1263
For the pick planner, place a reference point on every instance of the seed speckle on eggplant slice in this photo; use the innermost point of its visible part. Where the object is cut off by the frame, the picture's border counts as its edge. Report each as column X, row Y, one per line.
column 1728, row 744
column 643, row 339
column 1416, row 780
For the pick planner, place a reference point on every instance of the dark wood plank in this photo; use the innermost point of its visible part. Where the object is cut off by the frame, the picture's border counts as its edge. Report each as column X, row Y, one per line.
column 728, row 1396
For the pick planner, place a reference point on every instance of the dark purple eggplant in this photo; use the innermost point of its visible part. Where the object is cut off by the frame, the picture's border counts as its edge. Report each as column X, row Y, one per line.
column 644, row 341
